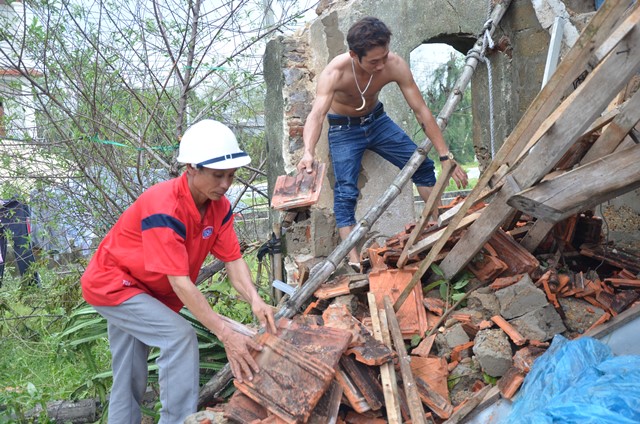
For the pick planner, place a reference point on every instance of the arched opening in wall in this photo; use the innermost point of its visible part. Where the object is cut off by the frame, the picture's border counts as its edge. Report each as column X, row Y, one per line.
column 436, row 67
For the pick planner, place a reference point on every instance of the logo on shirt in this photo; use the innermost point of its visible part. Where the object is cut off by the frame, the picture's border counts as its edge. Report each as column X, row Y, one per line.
column 206, row 233
column 126, row 283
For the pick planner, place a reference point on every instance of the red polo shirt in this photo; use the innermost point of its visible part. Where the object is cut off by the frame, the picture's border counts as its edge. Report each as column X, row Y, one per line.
column 160, row 234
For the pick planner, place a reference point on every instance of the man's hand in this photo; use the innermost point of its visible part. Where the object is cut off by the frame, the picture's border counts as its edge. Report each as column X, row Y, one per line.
column 306, row 163
column 264, row 313
column 240, row 359
column 460, row 177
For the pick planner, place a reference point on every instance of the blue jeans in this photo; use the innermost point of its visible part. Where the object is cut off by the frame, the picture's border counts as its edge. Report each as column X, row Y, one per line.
column 347, row 144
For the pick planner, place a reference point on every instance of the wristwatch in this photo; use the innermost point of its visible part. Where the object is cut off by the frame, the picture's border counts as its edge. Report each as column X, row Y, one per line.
column 447, row 156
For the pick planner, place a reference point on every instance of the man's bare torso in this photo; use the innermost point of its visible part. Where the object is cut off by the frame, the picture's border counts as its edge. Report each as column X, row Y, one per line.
column 346, row 97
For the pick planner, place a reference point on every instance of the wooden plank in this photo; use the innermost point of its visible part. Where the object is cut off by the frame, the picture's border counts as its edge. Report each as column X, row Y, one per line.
column 431, row 239
column 604, row 145
column 413, row 398
column 536, row 234
column 434, row 197
column 387, row 372
column 627, row 118
column 569, row 121
column 605, row 19
column 576, row 64
column 566, row 195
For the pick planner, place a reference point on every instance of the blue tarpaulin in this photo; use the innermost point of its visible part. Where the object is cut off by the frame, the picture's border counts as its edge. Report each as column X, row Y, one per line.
column 579, row 381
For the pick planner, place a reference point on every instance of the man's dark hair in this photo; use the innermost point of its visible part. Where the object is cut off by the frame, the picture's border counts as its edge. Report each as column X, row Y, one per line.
column 367, row 33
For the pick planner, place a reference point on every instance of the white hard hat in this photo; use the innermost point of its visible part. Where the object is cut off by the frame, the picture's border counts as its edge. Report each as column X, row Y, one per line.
column 211, row 144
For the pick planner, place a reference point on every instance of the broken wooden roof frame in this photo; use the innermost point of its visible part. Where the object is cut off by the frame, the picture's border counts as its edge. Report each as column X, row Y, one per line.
column 600, row 37
column 589, row 55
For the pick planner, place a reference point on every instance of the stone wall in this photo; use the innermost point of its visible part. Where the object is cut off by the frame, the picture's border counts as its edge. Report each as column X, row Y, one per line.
column 292, row 65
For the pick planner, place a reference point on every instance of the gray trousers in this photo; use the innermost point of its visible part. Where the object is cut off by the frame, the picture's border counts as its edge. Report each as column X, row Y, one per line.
column 134, row 326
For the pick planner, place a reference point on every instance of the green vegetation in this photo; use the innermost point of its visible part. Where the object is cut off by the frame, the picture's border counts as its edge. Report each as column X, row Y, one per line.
column 35, row 367
column 450, row 291
column 53, row 346
column 458, row 132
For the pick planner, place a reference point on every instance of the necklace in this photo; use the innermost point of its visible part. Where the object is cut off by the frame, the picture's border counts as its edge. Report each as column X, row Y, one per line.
column 364, row 102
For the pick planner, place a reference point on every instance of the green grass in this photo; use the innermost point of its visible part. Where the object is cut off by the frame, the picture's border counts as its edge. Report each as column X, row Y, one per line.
column 35, row 368
column 52, row 349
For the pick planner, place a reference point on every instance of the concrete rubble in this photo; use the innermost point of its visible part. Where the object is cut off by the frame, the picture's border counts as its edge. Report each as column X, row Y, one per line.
column 491, row 338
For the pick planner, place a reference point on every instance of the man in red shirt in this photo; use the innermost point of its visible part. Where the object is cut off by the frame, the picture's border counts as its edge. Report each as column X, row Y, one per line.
column 142, row 274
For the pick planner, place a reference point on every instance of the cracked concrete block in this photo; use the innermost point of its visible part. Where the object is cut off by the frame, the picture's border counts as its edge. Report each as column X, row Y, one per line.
column 484, row 299
column 463, row 377
column 520, row 298
column 493, row 351
column 455, row 336
column 541, row 324
column 349, row 301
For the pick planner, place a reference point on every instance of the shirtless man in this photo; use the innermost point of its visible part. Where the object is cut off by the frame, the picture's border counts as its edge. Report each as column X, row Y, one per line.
column 347, row 93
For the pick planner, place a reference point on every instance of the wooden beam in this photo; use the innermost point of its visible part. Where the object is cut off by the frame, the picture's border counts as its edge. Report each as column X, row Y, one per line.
column 576, row 64
column 536, row 234
column 624, row 118
column 411, row 390
column 431, row 239
column 434, row 197
column 582, row 188
column 569, row 69
column 565, row 125
column 627, row 118
column 387, row 372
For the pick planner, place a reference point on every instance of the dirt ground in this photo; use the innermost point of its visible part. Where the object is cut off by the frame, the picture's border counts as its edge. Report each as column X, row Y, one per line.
column 623, row 225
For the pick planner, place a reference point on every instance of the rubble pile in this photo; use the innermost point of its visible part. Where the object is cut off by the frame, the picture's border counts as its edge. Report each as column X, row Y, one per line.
column 449, row 315
column 457, row 342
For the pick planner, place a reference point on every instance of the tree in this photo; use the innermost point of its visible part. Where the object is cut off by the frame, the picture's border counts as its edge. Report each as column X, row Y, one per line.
column 112, row 85
column 458, row 132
